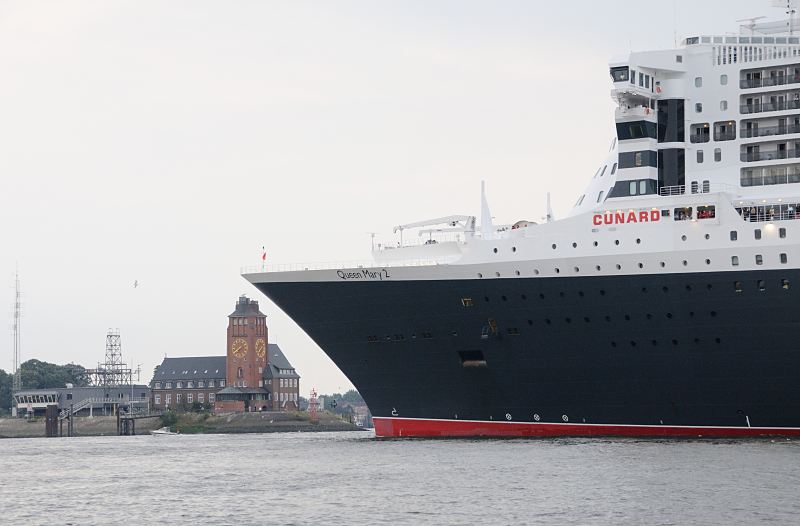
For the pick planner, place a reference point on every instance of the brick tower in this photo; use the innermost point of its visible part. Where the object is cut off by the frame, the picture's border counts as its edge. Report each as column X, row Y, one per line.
column 247, row 345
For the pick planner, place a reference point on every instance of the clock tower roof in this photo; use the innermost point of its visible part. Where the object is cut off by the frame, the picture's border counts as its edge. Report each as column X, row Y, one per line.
column 246, row 307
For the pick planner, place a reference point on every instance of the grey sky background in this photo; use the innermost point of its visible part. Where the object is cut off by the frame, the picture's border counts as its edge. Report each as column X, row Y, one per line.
column 166, row 142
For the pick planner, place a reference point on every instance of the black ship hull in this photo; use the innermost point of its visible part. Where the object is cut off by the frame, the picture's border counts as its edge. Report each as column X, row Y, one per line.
column 712, row 354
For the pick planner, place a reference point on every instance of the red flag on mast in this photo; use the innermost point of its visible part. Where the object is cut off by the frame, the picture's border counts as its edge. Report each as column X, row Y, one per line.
column 263, row 254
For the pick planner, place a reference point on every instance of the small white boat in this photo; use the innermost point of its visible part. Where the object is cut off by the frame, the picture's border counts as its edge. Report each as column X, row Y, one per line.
column 163, row 431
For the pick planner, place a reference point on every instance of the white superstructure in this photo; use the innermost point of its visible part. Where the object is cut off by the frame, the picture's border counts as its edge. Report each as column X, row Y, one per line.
column 702, row 177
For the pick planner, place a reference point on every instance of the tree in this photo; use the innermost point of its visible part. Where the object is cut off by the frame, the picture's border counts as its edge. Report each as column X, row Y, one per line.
column 6, row 381
column 44, row 375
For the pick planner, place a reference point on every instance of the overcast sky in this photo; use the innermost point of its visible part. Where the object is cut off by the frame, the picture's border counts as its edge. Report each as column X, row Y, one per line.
column 166, row 142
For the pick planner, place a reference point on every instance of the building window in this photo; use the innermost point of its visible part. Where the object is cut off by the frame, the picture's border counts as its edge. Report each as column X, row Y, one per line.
column 178, row 398
column 189, row 398
column 239, row 373
column 211, row 398
column 699, row 156
column 158, row 385
column 189, row 385
column 168, row 398
column 200, row 397
column 200, row 383
column 717, row 154
column 169, row 385
column 723, row 79
column 158, row 399
column 179, row 385
column 222, row 383
column 211, row 383
column 260, row 370
column 698, row 82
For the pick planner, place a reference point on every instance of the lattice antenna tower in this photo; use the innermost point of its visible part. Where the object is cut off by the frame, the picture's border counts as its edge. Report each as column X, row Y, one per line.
column 17, row 381
column 113, row 371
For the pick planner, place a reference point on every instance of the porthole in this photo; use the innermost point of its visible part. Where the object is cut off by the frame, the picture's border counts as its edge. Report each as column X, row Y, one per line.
column 595, row 243
column 638, row 241
column 561, row 294
column 633, row 343
column 503, row 298
column 536, row 272
column 494, row 250
column 513, row 249
column 708, row 236
column 486, row 299
column 761, row 285
column 709, row 286
column 523, row 297
column 654, row 342
column 577, row 270
column 685, row 262
column 574, row 245
column 597, row 267
column 663, row 264
column 616, row 241
column 619, row 267
column 683, row 238
column 497, row 274
column 530, row 322
column 688, row 288
column 547, row 321
column 696, row 341
column 641, row 265
column 669, row 315
column 554, row 246
column 674, row 342
column 649, row 316
column 691, row 314
column 568, row 320
column 480, row 275
column 708, row 262
column 541, row 296
column 627, row 317
column 785, row 284
column 608, row 318
column 613, row 344
column 586, row 319
column 717, row 340
column 664, row 289
column 557, row 271
column 516, row 272
column 713, row 314
column 602, row 292
column 644, row 290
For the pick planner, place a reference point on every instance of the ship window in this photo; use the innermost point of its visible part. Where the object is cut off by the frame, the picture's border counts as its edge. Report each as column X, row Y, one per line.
column 683, row 214
column 699, row 156
column 513, row 331
column 467, row 302
column 679, row 59
column 734, row 235
column 643, row 187
column 695, row 187
column 632, row 187
column 784, row 259
column 761, row 285
column 757, row 233
column 620, row 74
column 472, row 358
column 706, row 212
column 723, row 79
column 600, row 196
column 614, row 169
column 782, row 233
column 698, row 107
column 723, row 105
column 633, row 76
column 706, row 186
column 698, row 82
column 717, row 154
column 759, row 259
column 604, row 170
column 785, row 284
column 737, row 286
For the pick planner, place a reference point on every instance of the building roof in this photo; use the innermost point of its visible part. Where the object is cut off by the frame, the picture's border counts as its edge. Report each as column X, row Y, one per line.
column 190, row 368
column 246, row 307
column 278, row 364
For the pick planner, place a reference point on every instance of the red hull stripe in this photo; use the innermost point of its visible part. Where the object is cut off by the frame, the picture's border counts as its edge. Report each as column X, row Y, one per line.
column 419, row 427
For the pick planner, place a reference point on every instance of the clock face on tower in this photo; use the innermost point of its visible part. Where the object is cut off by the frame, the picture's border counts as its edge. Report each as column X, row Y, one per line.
column 239, row 347
column 261, row 348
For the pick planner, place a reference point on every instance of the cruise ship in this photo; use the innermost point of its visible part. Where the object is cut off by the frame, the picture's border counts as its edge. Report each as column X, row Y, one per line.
column 667, row 303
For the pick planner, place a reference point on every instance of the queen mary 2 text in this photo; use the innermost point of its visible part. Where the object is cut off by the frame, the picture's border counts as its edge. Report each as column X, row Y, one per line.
column 622, row 217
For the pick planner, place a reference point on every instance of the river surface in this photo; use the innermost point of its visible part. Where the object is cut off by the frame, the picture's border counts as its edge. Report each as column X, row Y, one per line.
column 354, row 479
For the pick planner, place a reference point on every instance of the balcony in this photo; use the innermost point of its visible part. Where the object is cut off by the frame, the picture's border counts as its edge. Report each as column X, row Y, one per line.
column 725, row 136
column 769, row 81
column 761, row 107
column 768, row 131
column 749, row 157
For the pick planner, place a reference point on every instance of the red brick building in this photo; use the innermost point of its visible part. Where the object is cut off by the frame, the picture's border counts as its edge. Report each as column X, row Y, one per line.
column 253, row 376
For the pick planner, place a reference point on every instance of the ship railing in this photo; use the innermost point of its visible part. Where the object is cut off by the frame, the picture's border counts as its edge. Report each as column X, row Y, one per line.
column 423, row 240
column 780, row 80
column 770, row 155
column 672, row 190
column 766, row 131
column 760, row 107
column 666, row 191
column 299, row 267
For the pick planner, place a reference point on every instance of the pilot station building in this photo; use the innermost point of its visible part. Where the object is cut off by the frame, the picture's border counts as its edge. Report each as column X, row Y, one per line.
column 253, row 375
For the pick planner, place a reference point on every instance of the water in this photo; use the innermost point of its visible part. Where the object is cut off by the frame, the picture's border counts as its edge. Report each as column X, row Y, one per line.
column 354, row 479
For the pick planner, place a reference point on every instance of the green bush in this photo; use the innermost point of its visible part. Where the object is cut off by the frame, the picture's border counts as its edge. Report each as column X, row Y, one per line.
column 169, row 419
